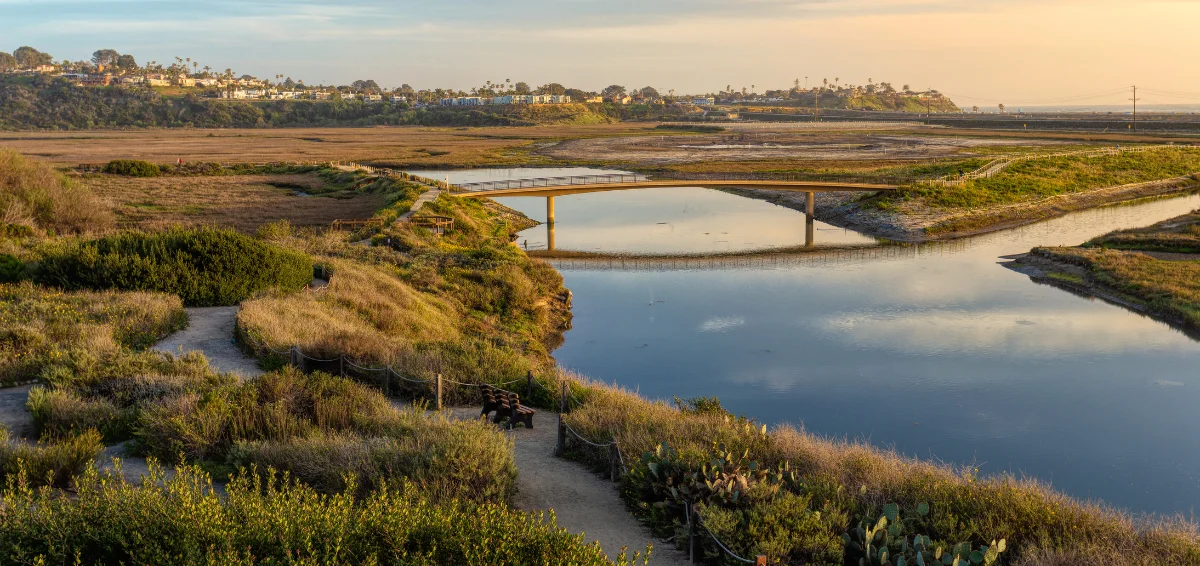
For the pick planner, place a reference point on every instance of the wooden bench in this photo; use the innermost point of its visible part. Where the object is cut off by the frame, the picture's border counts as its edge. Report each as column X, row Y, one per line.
column 507, row 405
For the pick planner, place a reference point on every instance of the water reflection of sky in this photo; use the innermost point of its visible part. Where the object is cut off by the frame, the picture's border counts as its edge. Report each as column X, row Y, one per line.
column 941, row 354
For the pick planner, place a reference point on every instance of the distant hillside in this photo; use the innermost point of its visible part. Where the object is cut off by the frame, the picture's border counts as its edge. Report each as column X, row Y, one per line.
column 47, row 104
column 888, row 102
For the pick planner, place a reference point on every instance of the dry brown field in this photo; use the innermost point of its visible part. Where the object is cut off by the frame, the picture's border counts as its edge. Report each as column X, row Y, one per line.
column 242, row 202
column 389, row 146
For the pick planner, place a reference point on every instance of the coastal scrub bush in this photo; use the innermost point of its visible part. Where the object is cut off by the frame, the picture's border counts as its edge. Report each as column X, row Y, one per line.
column 268, row 519
column 11, row 269
column 48, row 464
column 321, row 429
column 205, row 267
column 132, row 168
column 34, row 196
column 42, row 329
column 468, row 460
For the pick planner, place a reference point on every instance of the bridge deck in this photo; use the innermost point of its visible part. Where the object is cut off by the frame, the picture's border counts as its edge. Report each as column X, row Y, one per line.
column 571, row 189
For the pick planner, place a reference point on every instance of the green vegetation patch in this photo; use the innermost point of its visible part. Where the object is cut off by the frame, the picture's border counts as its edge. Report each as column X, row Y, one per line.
column 1035, row 179
column 1177, row 235
column 270, row 519
column 132, row 168
column 205, row 267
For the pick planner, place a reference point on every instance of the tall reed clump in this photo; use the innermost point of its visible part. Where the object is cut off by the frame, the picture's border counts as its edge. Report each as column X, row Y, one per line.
column 758, row 490
column 41, row 328
column 36, row 197
column 205, row 267
column 268, row 518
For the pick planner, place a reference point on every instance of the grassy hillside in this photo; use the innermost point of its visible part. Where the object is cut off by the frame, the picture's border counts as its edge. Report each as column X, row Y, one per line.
column 36, row 198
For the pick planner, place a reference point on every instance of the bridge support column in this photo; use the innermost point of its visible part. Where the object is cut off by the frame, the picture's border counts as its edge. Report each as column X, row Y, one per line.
column 810, row 199
column 550, row 236
column 809, row 232
column 549, row 210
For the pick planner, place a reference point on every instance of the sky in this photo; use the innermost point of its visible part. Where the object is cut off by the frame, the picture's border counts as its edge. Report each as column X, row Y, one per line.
column 981, row 52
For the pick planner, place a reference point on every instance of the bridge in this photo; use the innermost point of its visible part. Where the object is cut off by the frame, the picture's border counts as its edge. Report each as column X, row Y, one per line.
column 550, row 187
column 558, row 186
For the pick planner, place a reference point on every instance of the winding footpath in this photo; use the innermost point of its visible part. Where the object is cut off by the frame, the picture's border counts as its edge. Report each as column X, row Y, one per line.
column 582, row 501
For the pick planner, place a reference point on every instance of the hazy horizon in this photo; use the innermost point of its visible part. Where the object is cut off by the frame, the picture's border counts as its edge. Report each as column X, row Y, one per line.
column 979, row 52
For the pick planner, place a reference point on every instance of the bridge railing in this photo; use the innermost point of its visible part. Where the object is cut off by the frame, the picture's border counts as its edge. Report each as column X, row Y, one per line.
column 790, row 177
column 621, row 178
column 551, row 182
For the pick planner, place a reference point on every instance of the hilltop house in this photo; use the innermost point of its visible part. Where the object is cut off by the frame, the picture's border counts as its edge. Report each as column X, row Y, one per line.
column 464, row 101
column 369, row 97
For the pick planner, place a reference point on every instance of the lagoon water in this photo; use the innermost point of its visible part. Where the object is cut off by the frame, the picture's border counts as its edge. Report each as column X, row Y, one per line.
column 938, row 351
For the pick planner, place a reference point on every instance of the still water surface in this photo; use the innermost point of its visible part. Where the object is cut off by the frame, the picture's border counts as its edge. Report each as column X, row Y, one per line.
column 937, row 350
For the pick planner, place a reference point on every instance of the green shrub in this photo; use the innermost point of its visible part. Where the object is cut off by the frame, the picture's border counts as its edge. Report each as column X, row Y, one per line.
column 48, row 464
column 132, row 168
column 270, row 520
column 11, row 269
column 59, row 413
column 468, row 460
column 205, row 267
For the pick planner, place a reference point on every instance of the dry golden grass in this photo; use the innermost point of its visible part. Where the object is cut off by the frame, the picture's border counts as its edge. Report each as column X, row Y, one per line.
column 242, row 202
column 41, row 328
column 403, row 146
column 365, row 312
column 35, row 196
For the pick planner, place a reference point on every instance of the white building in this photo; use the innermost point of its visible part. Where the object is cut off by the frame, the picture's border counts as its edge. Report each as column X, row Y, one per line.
column 397, row 99
column 319, row 95
column 704, row 101
column 463, row 101
column 236, row 94
column 368, row 97
column 513, row 99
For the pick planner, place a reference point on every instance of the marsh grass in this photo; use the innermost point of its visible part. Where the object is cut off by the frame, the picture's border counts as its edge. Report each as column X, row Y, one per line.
column 1040, row 178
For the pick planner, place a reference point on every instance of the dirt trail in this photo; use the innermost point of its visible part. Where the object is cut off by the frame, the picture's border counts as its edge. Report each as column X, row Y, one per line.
column 582, row 501
column 210, row 331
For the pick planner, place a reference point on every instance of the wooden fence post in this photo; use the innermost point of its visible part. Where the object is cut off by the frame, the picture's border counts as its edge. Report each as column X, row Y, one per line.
column 695, row 552
column 562, row 402
column 529, row 386
column 342, row 365
column 439, row 391
column 614, row 457
column 561, row 446
column 760, row 560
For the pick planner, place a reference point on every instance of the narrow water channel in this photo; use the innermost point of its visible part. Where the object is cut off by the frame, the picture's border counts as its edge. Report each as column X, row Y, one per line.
column 938, row 350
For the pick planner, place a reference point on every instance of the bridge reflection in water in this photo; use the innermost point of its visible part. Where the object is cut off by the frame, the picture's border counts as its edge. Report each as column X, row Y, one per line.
column 758, row 259
column 810, row 229
column 550, row 187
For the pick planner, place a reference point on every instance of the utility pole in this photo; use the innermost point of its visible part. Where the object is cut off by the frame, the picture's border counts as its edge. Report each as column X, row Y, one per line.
column 817, row 105
column 1135, row 101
